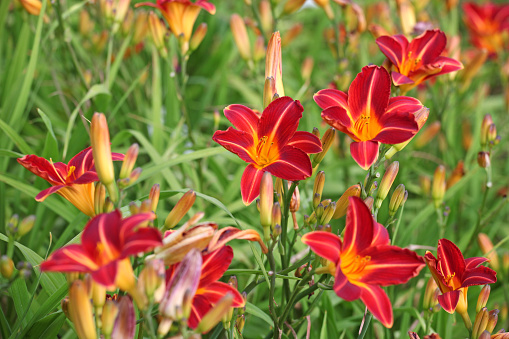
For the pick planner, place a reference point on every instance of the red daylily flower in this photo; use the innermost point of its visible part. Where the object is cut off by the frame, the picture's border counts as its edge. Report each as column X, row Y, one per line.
column 418, row 60
column 209, row 290
column 368, row 114
column 270, row 143
column 364, row 260
column 487, row 24
column 106, row 244
column 454, row 274
column 181, row 14
column 73, row 181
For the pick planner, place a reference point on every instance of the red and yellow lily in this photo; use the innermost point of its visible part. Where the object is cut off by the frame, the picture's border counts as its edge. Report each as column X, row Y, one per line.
column 106, row 244
column 368, row 114
column 73, row 181
column 418, row 60
column 365, row 260
column 270, row 143
column 488, row 25
column 454, row 274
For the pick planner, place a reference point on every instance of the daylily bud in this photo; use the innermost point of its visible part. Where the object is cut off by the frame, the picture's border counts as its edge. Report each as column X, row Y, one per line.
column 109, row 314
column 125, row 324
column 319, row 210
column 466, row 129
column 428, row 301
column 126, row 281
column 295, row 201
column 227, row 318
column 266, row 17
column 318, row 188
column 492, row 133
column 80, row 311
column 151, row 280
column 273, row 64
column 181, row 208
column 121, row 9
column 327, row 140
column 291, row 34
column 425, row 183
column 99, row 198
column 428, row 134
column 26, row 225
column 486, row 122
column 276, row 215
column 266, row 202
column 483, row 159
column 328, row 213
column 6, row 266
column 64, row 304
column 12, row 226
column 198, row 36
column 487, row 249
column 316, row 132
column 485, row 335
column 310, row 219
column 397, row 199
column 325, row 5
column 369, row 201
column 135, row 174
column 259, row 48
column 215, row 314
column 98, row 294
column 276, row 232
column 386, row 183
column 406, row 15
column 492, row 320
column 86, row 25
column 456, row 175
column 473, row 67
column 342, row 204
column 129, row 161
column 101, row 150
column 155, row 191
column 481, row 320
column 32, row 6
column 307, row 68
column 269, row 88
column 140, row 29
column 24, row 269
column 292, row 6
column 240, row 36
column 158, row 33
column 482, row 300
column 439, row 186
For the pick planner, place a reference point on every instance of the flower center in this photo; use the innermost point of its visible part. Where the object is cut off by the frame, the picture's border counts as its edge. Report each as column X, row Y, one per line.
column 353, row 268
column 266, row 152
column 70, row 172
column 452, row 281
column 410, row 64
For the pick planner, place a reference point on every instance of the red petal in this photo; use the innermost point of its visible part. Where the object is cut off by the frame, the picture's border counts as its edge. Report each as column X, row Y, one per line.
column 369, row 93
column 448, row 64
column 129, row 224
column 86, row 178
column 359, row 226
column 53, row 173
column 390, row 265
column 428, row 46
column 243, row 118
column 432, row 264
column 106, row 274
column 324, row 244
column 217, row 290
column 214, row 265
column 397, row 128
column 450, row 258
column 47, row 192
column 364, row 153
column 328, row 97
column 340, row 119
column 83, row 162
column 237, row 142
column 393, row 49
column 250, row 184
column 143, row 240
column 403, row 105
column 280, row 120
column 199, row 308
column 306, row 142
column 474, row 262
column 225, row 234
column 449, row 300
column 378, row 304
column 479, row 276
column 380, row 235
column 293, row 164
column 103, row 229
column 399, row 79
column 344, row 288
column 71, row 258
column 206, row 6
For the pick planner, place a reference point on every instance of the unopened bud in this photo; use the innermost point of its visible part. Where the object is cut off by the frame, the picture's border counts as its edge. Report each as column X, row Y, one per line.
column 80, row 310
column 488, row 250
column 266, row 19
column 406, row 15
column 276, row 215
column 457, row 173
column 32, row 6
column 266, row 199
column 158, row 33
column 327, row 228
column 129, row 161
column 486, row 122
column 485, row 335
column 24, row 269
column 273, row 63
column 154, row 194
column 198, row 36
column 6, row 266
column 215, row 314
column 482, row 300
column 295, row 201
column 397, row 199
column 473, row 67
column 481, row 320
column 492, row 133
column 26, row 225
column 483, row 159
column 99, row 198
column 428, row 134
column 269, row 89
column 151, row 281
column 386, row 183
column 292, row 34
column 181, row 208
column 327, row 140
column 307, row 68
column 109, row 314
column 369, row 202
column 342, row 204
column 12, row 226
column 492, row 320
column 318, row 188
column 439, row 186
column 240, row 36
column 316, row 132
column 427, row 302
column 325, row 5
column 259, row 48
column 125, row 324
column 319, row 211
column 292, row 6
column 328, row 213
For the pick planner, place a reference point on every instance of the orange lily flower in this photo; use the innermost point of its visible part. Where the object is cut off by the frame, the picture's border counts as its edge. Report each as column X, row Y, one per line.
column 487, row 24
column 418, row 60
column 365, row 260
column 368, row 114
column 270, row 143
column 73, row 181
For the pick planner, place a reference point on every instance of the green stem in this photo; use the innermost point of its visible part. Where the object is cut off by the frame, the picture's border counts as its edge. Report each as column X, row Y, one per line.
column 365, row 326
column 395, row 233
column 272, row 287
column 108, row 59
column 479, row 216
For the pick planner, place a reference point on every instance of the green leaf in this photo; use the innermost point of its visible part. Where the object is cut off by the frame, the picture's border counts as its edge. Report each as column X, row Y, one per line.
column 252, row 309
column 5, row 329
column 15, row 138
column 323, row 330
column 21, row 299
column 10, row 154
column 47, row 327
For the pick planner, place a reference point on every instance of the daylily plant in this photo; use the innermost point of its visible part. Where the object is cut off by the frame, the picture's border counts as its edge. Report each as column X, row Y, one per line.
column 73, row 181
column 365, row 260
column 369, row 115
column 418, row 60
column 487, row 24
column 454, row 274
column 106, row 244
column 270, row 143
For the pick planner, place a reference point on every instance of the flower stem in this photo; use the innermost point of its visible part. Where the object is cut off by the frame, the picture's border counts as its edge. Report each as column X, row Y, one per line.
column 365, row 325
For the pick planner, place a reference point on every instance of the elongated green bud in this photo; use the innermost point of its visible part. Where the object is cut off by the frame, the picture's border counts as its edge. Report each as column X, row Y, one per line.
column 386, row 183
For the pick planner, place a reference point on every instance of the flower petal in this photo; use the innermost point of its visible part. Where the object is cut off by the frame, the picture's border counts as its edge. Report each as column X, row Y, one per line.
column 54, row 173
column 280, row 120
column 390, row 265
column 47, row 192
column 293, row 164
column 217, row 290
column 143, row 240
column 206, row 6
column 359, row 227
column 340, row 119
column 479, row 276
column 237, row 142
column 369, row 93
column 328, row 97
column 449, row 300
column 199, row 308
column 392, row 48
column 474, row 262
column 399, row 79
column 397, row 128
column 225, row 234
column 106, row 274
column 380, row 235
column 214, row 265
column 82, row 162
column 378, row 304
column 71, row 258
column 450, row 258
column 428, row 46
column 306, row 142
column 250, row 184
column 403, row 105
column 324, row 244
column 243, row 118
column 364, row 153
column 344, row 288
column 103, row 229
column 448, row 65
